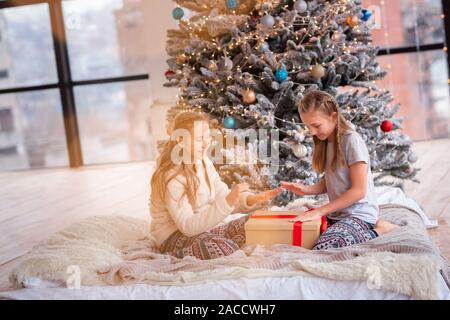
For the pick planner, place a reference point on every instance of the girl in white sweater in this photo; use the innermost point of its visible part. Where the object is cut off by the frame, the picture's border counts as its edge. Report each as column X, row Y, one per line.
column 189, row 200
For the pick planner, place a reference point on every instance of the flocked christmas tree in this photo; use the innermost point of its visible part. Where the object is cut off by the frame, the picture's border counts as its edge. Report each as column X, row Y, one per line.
column 247, row 63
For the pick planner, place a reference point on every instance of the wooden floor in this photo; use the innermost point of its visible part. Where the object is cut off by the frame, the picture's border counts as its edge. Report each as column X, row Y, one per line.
column 35, row 204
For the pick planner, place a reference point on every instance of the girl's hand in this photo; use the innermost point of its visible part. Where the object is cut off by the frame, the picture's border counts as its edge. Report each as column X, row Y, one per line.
column 233, row 197
column 312, row 214
column 262, row 197
column 296, row 188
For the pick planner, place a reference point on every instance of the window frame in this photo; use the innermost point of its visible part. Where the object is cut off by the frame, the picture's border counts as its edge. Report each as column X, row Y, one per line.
column 65, row 84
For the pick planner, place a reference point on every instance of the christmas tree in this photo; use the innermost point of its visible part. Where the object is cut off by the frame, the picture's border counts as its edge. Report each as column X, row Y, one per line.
column 247, row 63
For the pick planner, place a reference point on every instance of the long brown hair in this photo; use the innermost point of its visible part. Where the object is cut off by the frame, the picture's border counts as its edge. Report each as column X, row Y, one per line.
column 164, row 165
column 322, row 101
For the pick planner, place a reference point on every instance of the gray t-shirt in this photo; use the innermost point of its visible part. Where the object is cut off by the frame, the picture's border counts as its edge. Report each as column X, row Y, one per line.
column 338, row 181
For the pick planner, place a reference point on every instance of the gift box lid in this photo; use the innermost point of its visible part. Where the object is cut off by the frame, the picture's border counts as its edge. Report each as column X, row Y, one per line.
column 256, row 222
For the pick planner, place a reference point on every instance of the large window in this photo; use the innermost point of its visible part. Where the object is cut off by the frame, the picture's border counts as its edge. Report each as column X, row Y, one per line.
column 74, row 88
column 412, row 36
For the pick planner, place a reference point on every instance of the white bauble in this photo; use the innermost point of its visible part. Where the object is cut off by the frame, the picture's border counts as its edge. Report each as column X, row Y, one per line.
column 300, row 150
column 412, row 157
column 228, row 63
column 301, row 6
column 268, row 20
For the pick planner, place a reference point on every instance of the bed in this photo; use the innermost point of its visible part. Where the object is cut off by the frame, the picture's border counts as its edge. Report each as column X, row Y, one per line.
column 408, row 262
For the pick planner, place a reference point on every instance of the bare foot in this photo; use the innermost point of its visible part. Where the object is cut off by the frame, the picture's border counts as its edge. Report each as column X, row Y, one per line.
column 382, row 226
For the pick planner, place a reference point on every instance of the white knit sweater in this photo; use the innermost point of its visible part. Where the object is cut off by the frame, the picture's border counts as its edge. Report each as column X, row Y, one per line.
column 176, row 213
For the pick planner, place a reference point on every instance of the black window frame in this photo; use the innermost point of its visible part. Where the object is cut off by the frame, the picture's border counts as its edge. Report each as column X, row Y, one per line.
column 66, row 85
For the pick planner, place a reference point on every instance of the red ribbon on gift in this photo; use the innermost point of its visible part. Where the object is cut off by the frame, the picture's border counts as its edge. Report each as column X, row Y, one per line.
column 297, row 229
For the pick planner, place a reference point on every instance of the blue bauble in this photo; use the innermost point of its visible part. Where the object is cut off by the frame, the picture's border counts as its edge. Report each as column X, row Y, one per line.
column 177, row 13
column 263, row 47
column 281, row 74
column 365, row 14
column 229, row 122
column 232, row 4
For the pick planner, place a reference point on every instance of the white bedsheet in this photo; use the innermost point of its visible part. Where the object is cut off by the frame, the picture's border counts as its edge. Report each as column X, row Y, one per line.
column 270, row 288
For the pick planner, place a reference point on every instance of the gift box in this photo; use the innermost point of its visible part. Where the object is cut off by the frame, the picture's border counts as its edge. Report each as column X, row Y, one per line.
column 274, row 227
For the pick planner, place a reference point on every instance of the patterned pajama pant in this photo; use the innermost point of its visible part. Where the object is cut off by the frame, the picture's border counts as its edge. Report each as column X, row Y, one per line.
column 345, row 232
column 217, row 242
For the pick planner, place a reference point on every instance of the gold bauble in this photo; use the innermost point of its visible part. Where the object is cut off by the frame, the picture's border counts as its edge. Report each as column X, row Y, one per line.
column 181, row 58
column 318, row 71
column 249, row 96
column 352, row 21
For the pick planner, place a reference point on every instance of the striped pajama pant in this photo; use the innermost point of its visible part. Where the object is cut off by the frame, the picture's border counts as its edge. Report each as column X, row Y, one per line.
column 345, row 232
column 218, row 242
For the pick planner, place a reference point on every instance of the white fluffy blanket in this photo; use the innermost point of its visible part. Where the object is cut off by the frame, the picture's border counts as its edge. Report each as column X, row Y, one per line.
column 113, row 250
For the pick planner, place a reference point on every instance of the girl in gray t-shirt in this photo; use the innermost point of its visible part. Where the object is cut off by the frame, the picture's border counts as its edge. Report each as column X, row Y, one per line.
column 341, row 154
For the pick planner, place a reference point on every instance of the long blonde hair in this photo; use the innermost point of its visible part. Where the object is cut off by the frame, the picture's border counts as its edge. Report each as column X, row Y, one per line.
column 164, row 165
column 322, row 101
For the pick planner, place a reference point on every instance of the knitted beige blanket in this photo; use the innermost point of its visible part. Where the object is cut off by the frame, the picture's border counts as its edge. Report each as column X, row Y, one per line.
column 116, row 250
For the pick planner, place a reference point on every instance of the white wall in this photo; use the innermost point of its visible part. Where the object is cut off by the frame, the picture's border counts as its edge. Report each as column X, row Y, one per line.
column 158, row 19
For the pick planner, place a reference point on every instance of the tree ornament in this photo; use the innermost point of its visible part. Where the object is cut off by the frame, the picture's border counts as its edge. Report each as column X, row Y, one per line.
column 177, row 13
column 228, row 63
column 300, row 150
column 169, row 73
column 365, row 14
column 301, row 6
column 387, row 125
column 268, row 20
column 229, row 122
column 212, row 66
column 317, row 71
column 255, row 17
column 281, row 74
column 337, row 36
column 352, row 21
column 249, row 96
column 181, row 58
column 412, row 157
column 289, row 164
column 263, row 46
column 408, row 169
column 232, row 4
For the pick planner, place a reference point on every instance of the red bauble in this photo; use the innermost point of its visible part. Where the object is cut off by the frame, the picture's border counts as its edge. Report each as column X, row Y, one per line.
column 387, row 125
column 255, row 16
column 169, row 73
